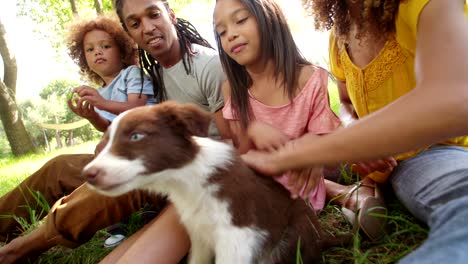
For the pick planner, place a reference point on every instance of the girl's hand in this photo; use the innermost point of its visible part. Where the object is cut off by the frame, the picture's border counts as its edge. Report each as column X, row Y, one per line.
column 266, row 137
column 367, row 167
column 90, row 95
column 304, row 180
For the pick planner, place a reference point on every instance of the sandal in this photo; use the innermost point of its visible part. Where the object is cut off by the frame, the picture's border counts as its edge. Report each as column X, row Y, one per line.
column 369, row 211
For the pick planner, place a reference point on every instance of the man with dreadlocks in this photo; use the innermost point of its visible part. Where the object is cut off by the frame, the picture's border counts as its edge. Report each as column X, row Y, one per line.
column 184, row 68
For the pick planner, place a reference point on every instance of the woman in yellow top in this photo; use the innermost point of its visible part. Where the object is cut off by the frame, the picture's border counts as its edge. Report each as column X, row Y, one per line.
column 408, row 96
column 373, row 68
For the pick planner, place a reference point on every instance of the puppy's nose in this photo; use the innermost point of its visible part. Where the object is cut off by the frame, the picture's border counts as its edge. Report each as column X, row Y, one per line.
column 91, row 174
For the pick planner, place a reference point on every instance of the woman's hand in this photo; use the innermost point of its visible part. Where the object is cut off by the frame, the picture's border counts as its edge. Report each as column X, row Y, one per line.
column 381, row 165
column 266, row 137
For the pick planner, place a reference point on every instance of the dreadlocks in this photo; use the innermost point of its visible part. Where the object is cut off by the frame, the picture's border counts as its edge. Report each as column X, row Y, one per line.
column 187, row 35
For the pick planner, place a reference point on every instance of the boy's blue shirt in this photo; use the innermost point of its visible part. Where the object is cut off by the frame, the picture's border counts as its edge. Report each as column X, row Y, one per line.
column 127, row 82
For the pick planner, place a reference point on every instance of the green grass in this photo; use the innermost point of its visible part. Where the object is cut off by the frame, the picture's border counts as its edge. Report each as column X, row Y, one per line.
column 13, row 170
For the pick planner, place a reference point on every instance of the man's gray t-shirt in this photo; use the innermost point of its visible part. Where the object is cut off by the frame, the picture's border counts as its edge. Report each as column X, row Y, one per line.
column 202, row 86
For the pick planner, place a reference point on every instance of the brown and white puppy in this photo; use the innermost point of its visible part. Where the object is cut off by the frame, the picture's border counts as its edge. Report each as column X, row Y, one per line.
column 231, row 214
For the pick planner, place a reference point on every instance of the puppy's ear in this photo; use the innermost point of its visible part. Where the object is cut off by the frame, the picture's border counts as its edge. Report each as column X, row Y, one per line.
column 197, row 121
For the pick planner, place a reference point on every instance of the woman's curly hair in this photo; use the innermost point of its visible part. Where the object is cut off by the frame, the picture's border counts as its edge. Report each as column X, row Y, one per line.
column 108, row 23
column 377, row 16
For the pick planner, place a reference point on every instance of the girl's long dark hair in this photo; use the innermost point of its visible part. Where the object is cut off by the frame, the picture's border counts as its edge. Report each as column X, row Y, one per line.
column 277, row 43
column 187, row 35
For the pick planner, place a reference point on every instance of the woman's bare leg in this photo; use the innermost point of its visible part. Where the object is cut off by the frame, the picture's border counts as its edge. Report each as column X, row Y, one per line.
column 163, row 240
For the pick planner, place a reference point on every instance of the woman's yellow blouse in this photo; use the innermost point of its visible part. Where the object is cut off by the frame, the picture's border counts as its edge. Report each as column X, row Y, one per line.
column 390, row 74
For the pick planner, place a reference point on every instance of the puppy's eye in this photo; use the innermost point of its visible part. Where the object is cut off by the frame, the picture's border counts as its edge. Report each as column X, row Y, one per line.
column 136, row 136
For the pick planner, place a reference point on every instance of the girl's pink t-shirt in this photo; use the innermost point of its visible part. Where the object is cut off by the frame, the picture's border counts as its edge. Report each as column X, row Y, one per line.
column 309, row 112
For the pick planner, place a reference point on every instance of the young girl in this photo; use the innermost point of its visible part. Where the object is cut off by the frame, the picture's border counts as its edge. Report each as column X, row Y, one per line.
column 273, row 96
column 106, row 55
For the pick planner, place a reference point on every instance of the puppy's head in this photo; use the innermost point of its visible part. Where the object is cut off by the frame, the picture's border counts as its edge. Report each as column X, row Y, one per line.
column 144, row 141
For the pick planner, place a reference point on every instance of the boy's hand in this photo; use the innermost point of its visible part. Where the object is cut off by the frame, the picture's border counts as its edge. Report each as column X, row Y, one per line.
column 266, row 137
column 81, row 107
column 90, row 95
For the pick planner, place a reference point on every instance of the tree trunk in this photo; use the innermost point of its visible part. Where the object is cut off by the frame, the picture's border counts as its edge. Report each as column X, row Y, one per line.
column 58, row 138
column 70, row 140
column 73, row 7
column 18, row 138
column 98, row 6
column 46, row 140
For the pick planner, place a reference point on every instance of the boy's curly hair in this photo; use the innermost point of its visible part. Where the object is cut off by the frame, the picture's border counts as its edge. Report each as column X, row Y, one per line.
column 108, row 23
column 380, row 14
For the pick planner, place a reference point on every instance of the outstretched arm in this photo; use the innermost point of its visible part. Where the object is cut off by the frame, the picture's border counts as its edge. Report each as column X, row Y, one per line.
column 435, row 110
column 93, row 97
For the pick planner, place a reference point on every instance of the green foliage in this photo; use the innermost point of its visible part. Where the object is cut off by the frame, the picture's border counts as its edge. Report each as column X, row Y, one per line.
column 107, row 5
column 178, row 5
column 59, row 88
column 51, row 108
column 52, row 16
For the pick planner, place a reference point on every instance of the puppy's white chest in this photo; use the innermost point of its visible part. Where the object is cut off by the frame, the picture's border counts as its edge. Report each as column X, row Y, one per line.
column 205, row 216
column 213, row 235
